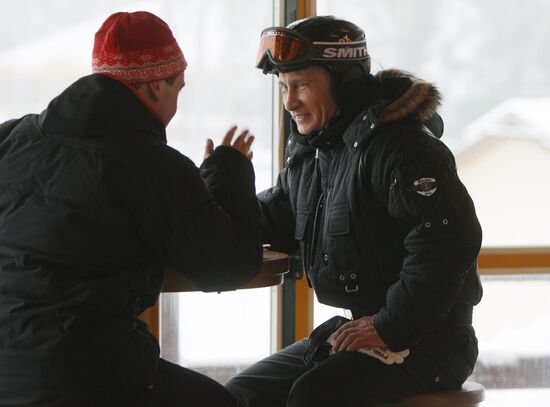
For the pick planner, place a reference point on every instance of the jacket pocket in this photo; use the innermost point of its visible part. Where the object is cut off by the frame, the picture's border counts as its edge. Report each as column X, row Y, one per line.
column 339, row 220
column 341, row 252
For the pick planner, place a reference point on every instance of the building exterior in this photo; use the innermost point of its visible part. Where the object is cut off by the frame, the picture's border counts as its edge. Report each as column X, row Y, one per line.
column 504, row 160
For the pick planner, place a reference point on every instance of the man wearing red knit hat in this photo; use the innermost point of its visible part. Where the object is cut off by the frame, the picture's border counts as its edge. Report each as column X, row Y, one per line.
column 94, row 206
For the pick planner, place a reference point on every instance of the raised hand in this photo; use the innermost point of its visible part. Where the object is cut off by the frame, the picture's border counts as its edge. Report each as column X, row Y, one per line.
column 242, row 143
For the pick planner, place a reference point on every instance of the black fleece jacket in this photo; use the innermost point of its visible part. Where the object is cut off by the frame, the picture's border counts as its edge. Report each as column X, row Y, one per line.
column 94, row 207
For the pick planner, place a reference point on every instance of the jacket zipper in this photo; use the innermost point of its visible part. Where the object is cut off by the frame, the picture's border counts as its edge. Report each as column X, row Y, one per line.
column 315, row 218
column 314, row 231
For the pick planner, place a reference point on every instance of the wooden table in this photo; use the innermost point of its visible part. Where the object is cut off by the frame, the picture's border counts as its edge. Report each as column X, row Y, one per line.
column 274, row 267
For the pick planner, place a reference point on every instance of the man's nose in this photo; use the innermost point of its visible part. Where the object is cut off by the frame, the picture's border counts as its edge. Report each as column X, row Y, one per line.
column 290, row 100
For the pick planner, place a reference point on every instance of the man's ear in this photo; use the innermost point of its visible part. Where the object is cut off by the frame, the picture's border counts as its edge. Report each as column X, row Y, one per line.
column 154, row 90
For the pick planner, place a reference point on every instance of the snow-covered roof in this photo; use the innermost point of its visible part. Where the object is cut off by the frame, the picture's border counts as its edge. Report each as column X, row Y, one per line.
column 521, row 117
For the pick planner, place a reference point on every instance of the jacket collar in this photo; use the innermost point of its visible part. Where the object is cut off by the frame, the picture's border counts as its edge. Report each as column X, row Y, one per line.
column 99, row 106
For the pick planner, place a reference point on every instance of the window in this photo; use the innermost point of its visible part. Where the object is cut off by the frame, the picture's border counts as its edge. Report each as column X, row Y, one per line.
column 486, row 61
column 511, row 324
column 218, row 334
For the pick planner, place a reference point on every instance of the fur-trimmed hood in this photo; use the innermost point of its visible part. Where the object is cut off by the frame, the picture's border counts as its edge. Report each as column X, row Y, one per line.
column 401, row 94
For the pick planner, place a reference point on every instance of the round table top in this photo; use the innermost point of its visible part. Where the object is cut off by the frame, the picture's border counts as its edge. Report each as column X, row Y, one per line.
column 274, row 267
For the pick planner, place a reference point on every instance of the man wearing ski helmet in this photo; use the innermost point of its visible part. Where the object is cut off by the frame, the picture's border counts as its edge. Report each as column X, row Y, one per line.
column 371, row 198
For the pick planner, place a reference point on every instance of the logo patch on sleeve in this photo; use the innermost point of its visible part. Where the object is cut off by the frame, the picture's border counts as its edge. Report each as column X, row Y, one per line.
column 424, row 186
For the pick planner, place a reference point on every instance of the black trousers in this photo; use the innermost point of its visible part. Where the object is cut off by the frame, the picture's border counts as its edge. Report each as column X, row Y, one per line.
column 173, row 386
column 346, row 379
column 176, row 386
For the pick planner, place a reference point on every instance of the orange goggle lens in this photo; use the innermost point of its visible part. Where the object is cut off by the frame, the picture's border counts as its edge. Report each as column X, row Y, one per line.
column 282, row 47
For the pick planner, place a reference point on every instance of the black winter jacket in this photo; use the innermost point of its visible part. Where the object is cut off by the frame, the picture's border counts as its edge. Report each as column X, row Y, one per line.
column 384, row 225
column 94, row 206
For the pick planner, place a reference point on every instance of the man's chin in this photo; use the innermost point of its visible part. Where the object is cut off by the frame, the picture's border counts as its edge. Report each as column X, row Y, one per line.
column 304, row 130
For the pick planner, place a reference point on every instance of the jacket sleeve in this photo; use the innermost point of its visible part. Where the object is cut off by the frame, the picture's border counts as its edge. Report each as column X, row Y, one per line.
column 276, row 217
column 422, row 190
column 205, row 224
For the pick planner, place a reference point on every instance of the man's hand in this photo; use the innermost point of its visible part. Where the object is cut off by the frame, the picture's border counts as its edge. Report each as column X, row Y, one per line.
column 356, row 334
column 242, row 143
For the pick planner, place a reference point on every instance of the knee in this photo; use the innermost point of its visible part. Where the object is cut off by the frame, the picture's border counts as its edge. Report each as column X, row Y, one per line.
column 312, row 390
column 326, row 388
column 246, row 393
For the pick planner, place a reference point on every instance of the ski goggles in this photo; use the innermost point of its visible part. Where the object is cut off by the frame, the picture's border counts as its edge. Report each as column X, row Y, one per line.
column 284, row 50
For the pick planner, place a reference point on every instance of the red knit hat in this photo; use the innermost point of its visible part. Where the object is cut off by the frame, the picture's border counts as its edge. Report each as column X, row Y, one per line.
column 135, row 48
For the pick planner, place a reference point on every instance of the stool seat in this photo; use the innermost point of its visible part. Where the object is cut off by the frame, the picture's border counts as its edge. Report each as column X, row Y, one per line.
column 470, row 395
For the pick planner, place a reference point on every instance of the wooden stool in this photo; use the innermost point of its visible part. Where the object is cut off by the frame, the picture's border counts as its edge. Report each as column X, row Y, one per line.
column 471, row 395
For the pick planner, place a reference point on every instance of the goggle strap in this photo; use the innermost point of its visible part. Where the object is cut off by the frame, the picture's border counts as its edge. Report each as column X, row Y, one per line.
column 339, row 43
